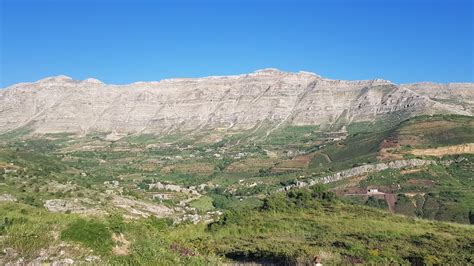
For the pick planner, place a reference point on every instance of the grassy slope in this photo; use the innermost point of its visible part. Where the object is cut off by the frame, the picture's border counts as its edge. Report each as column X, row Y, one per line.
column 341, row 233
column 291, row 229
column 337, row 232
column 445, row 191
column 436, row 131
column 29, row 231
column 449, row 197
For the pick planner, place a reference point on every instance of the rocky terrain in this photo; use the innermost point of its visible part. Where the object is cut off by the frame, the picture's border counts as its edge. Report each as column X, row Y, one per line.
column 459, row 94
column 268, row 96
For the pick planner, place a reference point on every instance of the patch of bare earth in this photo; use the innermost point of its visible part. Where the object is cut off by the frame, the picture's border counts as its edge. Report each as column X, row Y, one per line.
column 354, row 181
column 447, row 150
column 342, row 191
column 391, row 199
column 295, row 164
column 388, row 155
column 422, row 182
column 414, row 194
column 387, row 149
column 122, row 245
column 211, row 138
column 410, row 171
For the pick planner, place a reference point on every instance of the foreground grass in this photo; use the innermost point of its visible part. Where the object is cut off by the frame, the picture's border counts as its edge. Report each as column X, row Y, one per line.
column 291, row 228
column 334, row 232
column 28, row 233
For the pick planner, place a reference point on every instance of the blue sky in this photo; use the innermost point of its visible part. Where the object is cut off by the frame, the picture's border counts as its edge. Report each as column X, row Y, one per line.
column 125, row 41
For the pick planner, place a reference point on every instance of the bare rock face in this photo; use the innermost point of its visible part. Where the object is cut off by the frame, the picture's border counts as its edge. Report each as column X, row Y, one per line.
column 454, row 94
column 61, row 104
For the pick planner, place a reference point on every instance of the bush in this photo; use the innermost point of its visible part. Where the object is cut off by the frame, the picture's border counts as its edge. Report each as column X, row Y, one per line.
column 377, row 203
column 203, row 204
column 33, row 201
column 159, row 224
column 275, row 202
column 321, row 193
column 116, row 223
column 305, row 198
column 92, row 234
column 234, row 216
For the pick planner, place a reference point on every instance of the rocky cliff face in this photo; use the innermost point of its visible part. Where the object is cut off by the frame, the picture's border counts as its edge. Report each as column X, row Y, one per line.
column 455, row 94
column 60, row 104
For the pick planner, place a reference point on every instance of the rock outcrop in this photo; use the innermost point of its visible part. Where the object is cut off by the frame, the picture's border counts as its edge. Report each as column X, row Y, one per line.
column 80, row 206
column 7, row 197
column 360, row 170
column 460, row 95
column 136, row 208
column 269, row 96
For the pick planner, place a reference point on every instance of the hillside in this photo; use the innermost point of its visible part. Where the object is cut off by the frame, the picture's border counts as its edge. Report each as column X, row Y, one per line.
column 299, row 228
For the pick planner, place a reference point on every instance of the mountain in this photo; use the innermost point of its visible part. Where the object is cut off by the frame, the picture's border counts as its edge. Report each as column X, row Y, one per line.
column 61, row 104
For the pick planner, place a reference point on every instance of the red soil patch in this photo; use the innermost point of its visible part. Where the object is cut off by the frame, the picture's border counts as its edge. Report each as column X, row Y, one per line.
column 390, row 142
column 422, row 182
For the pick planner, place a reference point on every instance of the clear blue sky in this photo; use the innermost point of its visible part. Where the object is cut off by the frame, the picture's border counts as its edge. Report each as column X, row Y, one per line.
column 125, row 41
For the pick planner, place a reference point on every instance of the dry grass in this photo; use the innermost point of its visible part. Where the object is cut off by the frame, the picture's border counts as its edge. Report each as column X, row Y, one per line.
column 122, row 245
column 252, row 165
column 301, row 161
column 447, row 150
column 194, row 168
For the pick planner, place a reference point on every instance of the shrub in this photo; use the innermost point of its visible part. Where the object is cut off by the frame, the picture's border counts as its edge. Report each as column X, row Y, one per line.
column 275, row 202
column 92, row 234
column 26, row 238
column 33, row 201
column 116, row 223
column 304, row 197
column 377, row 203
column 159, row 224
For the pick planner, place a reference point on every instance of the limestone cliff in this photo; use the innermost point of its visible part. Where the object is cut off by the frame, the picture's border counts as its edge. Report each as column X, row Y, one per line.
column 61, row 104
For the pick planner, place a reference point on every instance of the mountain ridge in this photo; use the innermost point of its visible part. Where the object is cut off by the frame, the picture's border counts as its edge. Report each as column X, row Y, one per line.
column 256, row 72
column 61, row 104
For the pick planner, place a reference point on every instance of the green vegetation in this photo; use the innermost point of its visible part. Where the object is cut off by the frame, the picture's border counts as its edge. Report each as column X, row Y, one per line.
column 438, row 130
column 355, row 150
column 238, row 174
column 92, row 234
column 203, row 204
column 30, row 230
column 16, row 133
column 442, row 192
column 293, row 227
column 308, row 223
column 377, row 203
column 293, row 134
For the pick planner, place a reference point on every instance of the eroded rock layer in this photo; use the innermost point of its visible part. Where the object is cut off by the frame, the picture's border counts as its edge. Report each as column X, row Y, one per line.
column 61, row 104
